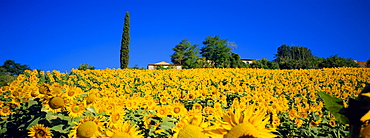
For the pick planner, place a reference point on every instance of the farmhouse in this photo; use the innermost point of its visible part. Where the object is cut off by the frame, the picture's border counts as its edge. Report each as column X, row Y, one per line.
column 164, row 65
column 248, row 61
column 362, row 64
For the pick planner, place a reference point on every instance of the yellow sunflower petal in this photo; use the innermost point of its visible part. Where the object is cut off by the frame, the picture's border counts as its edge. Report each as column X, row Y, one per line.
column 366, row 116
column 366, row 94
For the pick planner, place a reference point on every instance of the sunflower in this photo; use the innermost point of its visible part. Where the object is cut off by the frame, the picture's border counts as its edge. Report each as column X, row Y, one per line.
column 116, row 117
column 105, row 105
column 218, row 109
column 39, row 131
column 76, row 109
column 16, row 101
column 55, row 104
column 191, row 96
column 332, row 123
column 164, row 100
column 178, row 110
column 247, row 122
column 91, row 98
column 123, row 130
column 162, row 111
column 86, row 128
column 44, row 89
column 4, row 89
column 197, row 107
column 5, row 111
column 34, row 92
column 73, row 92
column 191, row 125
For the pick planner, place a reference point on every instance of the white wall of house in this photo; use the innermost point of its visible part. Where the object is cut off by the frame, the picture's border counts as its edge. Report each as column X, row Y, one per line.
column 248, row 62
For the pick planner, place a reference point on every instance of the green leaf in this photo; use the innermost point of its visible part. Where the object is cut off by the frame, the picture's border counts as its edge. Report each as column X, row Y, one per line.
column 168, row 119
column 167, row 125
column 31, row 102
column 59, row 128
column 34, row 122
column 50, row 116
column 63, row 117
column 334, row 105
column 3, row 130
column 91, row 109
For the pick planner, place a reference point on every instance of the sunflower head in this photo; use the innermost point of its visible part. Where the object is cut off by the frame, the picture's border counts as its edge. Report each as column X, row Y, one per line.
column 248, row 122
column 76, row 110
column 91, row 98
column 71, row 92
column 56, row 90
column 35, row 93
column 191, row 131
column 123, row 130
column 39, row 131
column 121, row 135
column 5, row 111
column 197, row 107
column 44, row 89
column 178, row 110
column 191, row 125
column 239, row 131
column 56, row 102
column 87, row 129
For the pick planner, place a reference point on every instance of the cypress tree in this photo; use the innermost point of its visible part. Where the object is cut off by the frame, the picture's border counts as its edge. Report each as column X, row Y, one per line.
column 124, row 57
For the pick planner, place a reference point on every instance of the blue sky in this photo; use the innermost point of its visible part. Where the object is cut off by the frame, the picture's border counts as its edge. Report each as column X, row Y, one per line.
column 61, row 35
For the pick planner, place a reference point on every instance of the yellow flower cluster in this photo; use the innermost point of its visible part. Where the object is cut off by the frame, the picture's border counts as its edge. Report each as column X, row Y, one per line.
column 211, row 102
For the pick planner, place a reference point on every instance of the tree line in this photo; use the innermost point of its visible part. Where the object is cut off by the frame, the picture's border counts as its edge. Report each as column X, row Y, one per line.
column 217, row 53
column 10, row 70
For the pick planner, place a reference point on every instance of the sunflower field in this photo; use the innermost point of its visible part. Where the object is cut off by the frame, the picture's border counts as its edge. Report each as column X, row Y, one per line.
column 177, row 103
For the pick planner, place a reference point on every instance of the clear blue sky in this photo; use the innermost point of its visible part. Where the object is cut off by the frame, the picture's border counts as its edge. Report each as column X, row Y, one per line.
column 61, row 35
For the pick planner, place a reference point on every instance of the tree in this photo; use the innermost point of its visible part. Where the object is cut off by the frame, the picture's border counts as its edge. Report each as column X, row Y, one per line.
column 294, row 57
column 236, row 62
column 336, row 61
column 204, row 63
column 217, row 51
column 317, row 61
column 162, row 67
column 368, row 63
column 124, row 56
column 85, row 67
column 265, row 64
column 185, row 54
column 13, row 68
column 9, row 71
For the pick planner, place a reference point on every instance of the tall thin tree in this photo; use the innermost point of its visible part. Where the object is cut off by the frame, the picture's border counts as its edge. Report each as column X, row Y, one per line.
column 124, row 57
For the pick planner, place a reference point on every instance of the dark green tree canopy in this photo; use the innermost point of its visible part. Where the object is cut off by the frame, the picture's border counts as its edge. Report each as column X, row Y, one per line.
column 85, row 67
column 265, row 64
column 124, row 55
column 294, row 57
column 13, row 68
column 336, row 61
column 185, row 54
column 236, row 62
column 368, row 63
column 9, row 71
column 216, row 50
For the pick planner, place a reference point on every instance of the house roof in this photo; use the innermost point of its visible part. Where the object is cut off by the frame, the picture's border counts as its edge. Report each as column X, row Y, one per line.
column 362, row 64
column 163, row 63
column 248, row 59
